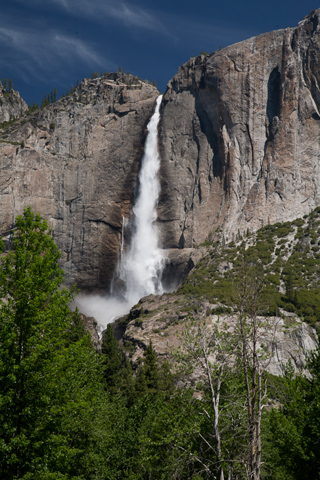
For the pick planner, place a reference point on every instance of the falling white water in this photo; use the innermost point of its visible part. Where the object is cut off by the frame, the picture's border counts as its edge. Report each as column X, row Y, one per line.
column 141, row 265
column 142, row 262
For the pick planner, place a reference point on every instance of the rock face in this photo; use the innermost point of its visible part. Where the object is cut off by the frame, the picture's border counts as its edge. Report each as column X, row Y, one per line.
column 11, row 105
column 239, row 137
column 76, row 162
column 162, row 321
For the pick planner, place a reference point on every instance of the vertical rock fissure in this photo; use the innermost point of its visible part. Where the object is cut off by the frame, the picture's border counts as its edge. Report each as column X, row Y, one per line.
column 273, row 95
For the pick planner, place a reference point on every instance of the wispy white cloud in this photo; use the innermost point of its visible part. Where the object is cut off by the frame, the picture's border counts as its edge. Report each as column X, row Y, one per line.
column 156, row 19
column 42, row 45
column 100, row 11
column 178, row 28
column 129, row 16
column 34, row 49
column 67, row 47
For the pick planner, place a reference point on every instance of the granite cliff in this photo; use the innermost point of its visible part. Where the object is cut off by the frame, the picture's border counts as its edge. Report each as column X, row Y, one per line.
column 162, row 320
column 239, row 138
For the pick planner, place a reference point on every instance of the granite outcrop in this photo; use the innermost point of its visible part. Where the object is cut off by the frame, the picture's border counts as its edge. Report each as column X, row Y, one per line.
column 12, row 106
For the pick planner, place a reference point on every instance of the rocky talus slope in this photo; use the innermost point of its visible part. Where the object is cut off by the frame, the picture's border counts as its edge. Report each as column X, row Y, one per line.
column 76, row 162
column 239, row 137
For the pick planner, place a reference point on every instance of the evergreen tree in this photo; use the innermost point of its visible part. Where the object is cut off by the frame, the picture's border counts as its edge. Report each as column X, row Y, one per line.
column 150, row 368
column 32, row 108
column 49, row 377
column 152, row 378
column 148, row 376
column 113, row 361
column 45, row 102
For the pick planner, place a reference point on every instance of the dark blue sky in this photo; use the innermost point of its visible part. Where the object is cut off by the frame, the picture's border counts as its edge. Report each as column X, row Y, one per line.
column 53, row 43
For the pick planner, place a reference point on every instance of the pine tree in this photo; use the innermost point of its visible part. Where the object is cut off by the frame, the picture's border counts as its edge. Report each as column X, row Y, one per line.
column 153, row 378
column 45, row 102
column 113, row 360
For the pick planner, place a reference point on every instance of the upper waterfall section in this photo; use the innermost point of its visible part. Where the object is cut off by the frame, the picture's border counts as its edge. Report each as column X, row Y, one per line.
column 141, row 261
column 141, row 265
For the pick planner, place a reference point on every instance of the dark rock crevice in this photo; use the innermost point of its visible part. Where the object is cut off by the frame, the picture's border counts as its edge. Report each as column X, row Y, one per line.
column 273, row 94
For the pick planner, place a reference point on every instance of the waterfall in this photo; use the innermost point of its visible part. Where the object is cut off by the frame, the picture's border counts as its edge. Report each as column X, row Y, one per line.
column 141, row 262
column 141, row 265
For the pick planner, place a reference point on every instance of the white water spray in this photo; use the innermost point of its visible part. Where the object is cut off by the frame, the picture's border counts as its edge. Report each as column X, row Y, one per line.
column 141, row 264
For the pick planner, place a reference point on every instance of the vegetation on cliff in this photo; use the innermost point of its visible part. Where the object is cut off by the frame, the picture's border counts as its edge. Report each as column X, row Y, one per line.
column 288, row 254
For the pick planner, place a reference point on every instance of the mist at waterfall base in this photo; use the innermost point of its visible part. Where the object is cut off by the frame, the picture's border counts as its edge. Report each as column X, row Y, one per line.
column 141, row 263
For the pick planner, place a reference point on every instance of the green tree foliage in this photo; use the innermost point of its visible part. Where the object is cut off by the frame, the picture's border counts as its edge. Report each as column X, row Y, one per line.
column 32, row 108
column 152, row 378
column 231, row 359
column 158, row 437
column 50, row 98
column 53, row 95
column 118, row 376
column 152, row 433
column 223, row 437
column 45, row 102
column 49, row 384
